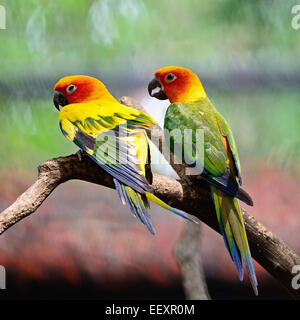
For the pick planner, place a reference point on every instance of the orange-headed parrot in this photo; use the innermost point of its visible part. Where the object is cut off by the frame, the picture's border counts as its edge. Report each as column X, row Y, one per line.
column 190, row 108
column 113, row 136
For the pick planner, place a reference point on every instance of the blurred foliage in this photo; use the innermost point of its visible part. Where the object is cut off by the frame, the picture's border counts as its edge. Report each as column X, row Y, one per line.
column 125, row 40
column 31, row 133
column 265, row 124
column 44, row 37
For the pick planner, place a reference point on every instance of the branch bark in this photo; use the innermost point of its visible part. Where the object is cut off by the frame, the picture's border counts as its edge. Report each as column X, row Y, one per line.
column 188, row 255
column 267, row 249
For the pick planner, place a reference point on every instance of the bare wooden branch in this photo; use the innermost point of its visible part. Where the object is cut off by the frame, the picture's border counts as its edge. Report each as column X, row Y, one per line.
column 188, row 255
column 268, row 250
column 50, row 174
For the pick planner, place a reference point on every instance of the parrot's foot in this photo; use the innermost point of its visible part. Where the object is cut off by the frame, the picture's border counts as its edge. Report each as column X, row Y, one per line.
column 80, row 154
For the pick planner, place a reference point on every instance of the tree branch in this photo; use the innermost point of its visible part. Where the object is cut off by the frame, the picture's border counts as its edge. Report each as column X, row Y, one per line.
column 268, row 250
column 188, row 255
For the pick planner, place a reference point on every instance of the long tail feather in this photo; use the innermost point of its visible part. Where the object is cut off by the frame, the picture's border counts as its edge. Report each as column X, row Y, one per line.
column 153, row 198
column 233, row 230
column 139, row 204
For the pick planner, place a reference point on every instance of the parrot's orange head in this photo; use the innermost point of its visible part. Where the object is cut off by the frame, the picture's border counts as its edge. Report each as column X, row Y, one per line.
column 77, row 89
column 176, row 84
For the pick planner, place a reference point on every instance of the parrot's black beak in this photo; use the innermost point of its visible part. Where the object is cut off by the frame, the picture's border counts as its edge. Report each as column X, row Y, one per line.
column 154, row 84
column 59, row 100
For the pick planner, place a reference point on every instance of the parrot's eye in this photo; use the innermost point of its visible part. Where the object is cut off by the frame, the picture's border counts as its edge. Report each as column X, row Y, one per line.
column 71, row 88
column 170, row 77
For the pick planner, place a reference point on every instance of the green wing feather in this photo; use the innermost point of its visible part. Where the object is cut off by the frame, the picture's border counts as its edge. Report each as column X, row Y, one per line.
column 215, row 161
column 199, row 115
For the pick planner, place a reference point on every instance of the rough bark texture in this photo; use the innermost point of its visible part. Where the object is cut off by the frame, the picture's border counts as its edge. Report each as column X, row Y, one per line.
column 192, row 197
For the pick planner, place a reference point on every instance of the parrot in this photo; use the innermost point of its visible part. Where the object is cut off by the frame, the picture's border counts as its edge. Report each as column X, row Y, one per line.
column 113, row 136
column 190, row 108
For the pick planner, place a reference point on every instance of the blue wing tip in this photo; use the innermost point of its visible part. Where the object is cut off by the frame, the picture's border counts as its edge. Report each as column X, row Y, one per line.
column 152, row 231
column 183, row 215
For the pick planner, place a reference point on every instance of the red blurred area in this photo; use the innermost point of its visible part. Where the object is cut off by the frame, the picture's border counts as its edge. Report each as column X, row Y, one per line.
column 82, row 230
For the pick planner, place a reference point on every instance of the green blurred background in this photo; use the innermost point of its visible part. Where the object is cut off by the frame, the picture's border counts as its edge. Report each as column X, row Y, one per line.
column 245, row 52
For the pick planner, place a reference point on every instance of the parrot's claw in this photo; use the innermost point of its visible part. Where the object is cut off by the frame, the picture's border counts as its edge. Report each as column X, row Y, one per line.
column 80, row 154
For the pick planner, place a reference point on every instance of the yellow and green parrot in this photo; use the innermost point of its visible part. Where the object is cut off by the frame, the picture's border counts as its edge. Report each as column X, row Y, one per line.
column 190, row 108
column 113, row 136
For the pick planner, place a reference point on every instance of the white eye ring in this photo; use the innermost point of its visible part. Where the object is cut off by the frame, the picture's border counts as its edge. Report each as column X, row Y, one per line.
column 71, row 88
column 170, row 77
